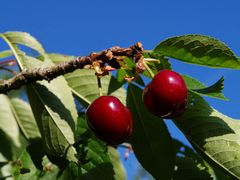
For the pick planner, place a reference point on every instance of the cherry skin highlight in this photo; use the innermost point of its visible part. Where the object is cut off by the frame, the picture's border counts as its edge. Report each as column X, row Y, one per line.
column 110, row 120
column 166, row 94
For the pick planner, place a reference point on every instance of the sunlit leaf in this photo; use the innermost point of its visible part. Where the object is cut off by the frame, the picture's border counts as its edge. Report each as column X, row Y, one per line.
column 214, row 135
column 6, row 53
column 117, row 165
column 214, row 91
column 52, row 103
column 23, row 38
column 199, row 49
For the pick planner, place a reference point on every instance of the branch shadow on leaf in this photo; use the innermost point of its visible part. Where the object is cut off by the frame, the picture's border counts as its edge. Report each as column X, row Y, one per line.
column 56, row 105
column 197, row 116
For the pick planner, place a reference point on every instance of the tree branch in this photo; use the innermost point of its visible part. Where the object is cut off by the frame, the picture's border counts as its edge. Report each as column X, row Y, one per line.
column 49, row 73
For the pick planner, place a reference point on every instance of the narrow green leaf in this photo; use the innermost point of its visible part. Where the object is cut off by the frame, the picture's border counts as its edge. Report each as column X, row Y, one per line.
column 6, row 53
column 214, row 91
column 58, row 58
column 8, row 123
column 199, row 49
column 25, row 39
column 117, row 165
column 214, row 135
column 151, row 140
column 25, row 118
column 129, row 63
column 121, row 74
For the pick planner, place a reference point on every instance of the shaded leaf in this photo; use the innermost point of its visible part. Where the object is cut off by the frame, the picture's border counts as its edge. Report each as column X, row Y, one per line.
column 93, row 154
column 73, row 171
column 214, row 135
column 187, row 169
column 189, row 165
column 199, row 49
column 214, row 91
column 8, row 123
column 25, row 118
column 117, row 165
column 151, row 140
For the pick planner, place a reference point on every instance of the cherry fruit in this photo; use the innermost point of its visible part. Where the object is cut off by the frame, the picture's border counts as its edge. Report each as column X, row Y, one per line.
column 166, row 94
column 110, row 120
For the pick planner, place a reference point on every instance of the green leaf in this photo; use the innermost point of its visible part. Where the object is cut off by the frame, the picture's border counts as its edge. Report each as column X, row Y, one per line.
column 129, row 63
column 24, row 168
column 162, row 63
column 83, row 83
column 23, row 38
column 93, row 154
column 151, row 140
column 52, row 103
column 50, row 170
column 58, row 58
column 199, row 49
column 73, row 171
column 117, row 165
column 54, row 109
column 25, row 118
column 214, row 91
column 190, row 165
column 8, row 123
column 187, row 169
column 214, row 135
column 6, row 53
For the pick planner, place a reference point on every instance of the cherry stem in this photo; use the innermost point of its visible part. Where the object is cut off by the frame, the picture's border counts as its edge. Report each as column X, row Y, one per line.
column 148, row 68
column 152, row 60
column 99, row 86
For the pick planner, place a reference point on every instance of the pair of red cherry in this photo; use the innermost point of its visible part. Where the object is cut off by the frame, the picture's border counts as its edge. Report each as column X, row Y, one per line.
column 111, row 121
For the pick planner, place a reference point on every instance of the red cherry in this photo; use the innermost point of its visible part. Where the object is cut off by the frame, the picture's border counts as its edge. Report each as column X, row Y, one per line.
column 166, row 94
column 110, row 120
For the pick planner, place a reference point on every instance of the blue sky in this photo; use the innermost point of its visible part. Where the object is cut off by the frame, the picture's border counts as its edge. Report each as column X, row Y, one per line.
column 80, row 27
